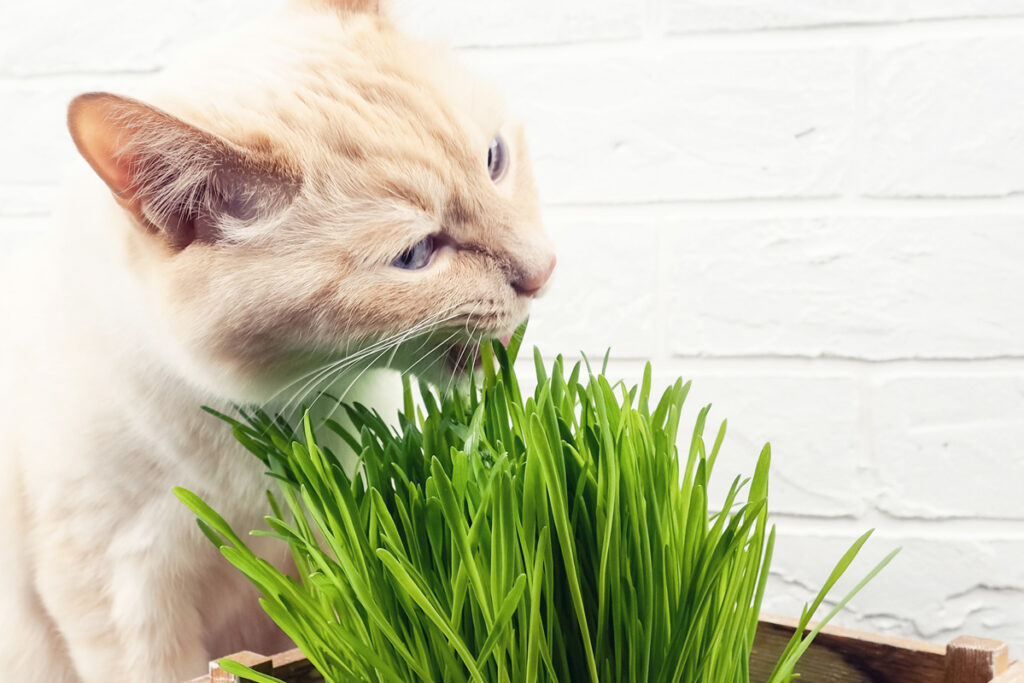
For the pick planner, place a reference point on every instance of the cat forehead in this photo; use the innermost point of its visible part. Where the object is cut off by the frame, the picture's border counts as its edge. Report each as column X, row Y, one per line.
column 330, row 90
column 318, row 56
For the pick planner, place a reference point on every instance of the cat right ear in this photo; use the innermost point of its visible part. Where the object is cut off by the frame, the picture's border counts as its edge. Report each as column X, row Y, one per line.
column 178, row 181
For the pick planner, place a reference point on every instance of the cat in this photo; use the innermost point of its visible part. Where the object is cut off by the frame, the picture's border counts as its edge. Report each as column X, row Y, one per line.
column 292, row 209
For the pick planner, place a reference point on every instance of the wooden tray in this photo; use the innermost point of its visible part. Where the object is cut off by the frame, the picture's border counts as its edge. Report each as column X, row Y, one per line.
column 838, row 655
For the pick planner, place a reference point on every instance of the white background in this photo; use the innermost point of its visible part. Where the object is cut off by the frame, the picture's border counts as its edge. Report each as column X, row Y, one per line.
column 812, row 208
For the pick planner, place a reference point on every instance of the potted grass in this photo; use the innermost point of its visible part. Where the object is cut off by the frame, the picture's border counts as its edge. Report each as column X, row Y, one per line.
column 495, row 535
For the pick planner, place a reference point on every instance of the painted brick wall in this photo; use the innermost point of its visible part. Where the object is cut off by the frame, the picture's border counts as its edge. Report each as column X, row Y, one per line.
column 811, row 207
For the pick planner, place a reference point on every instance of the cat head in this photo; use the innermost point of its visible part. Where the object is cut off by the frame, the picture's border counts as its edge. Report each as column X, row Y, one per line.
column 319, row 187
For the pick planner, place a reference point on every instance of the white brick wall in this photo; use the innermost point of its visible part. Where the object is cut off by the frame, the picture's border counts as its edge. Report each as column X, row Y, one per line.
column 810, row 207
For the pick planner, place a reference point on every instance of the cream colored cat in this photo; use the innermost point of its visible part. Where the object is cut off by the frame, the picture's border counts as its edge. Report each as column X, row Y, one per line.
column 316, row 193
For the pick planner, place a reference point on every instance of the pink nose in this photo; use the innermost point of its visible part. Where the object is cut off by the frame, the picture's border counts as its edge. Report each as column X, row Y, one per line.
column 532, row 283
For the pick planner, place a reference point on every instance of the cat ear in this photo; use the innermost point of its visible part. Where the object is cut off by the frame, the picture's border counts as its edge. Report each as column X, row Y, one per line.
column 177, row 180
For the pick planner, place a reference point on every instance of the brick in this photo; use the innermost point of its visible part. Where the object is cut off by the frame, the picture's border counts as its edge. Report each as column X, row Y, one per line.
column 603, row 292
column 34, row 141
column 812, row 423
column 942, row 119
column 935, row 589
column 950, row 446
column 739, row 15
column 35, row 145
column 863, row 287
column 27, row 200
column 18, row 228
column 56, row 36
column 616, row 125
column 490, row 23
column 17, row 236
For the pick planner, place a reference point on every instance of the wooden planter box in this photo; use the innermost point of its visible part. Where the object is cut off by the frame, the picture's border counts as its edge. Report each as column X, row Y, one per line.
column 838, row 655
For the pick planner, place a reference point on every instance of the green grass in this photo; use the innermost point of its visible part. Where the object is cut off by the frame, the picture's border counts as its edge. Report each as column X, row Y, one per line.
column 500, row 537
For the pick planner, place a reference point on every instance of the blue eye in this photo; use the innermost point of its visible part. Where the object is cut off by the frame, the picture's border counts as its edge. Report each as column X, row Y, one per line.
column 497, row 158
column 416, row 257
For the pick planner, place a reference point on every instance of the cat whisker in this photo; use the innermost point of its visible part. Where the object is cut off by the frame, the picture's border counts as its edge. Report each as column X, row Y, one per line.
column 465, row 350
column 411, row 331
column 355, row 381
column 348, row 388
column 329, row 374
column 346, row 358
column 430, row 351
column 393, row 344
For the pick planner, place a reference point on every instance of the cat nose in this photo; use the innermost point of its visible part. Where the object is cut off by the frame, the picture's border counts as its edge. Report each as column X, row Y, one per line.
column 530, row 284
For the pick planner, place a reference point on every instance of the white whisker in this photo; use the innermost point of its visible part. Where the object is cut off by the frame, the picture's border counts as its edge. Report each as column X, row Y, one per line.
column 330, row 374
column 317, row 372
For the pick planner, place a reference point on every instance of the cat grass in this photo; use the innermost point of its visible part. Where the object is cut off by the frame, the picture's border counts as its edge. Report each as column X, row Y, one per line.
column 497, row 536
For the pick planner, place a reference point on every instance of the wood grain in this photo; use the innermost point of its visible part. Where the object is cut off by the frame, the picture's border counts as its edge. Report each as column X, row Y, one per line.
column 848, row 656
column 975, row 660
column 838, row 655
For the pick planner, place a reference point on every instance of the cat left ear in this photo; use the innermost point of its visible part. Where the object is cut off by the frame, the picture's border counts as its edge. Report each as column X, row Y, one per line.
column 178, row 181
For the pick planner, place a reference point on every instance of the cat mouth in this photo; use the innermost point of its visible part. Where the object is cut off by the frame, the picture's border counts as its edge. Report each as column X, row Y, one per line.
column 461, row 354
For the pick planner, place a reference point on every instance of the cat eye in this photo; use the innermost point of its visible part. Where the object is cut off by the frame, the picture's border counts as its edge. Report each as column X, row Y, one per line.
column 416, row 257
column 497, row 158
